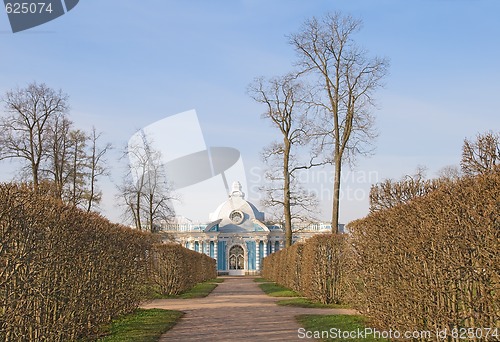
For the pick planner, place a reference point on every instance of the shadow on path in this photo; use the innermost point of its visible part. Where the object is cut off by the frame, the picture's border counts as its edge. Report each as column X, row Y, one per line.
column 236, row 310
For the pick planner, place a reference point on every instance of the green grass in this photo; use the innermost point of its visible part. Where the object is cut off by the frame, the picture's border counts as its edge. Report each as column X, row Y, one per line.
column 339, row 323
column 200, row 290
column 142, row 326
column 302, row 302
column 275, row 290
column 216, row 280
column 262, row 280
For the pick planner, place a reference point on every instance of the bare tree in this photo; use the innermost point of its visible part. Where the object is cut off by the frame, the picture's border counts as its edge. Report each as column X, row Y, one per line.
column 286, row 109
column 56, row 166
column 345, row 80
column 449, row 172
column 391, row 193
column 25, row 132
column 129, row 193
column 303, row 203
column 145, row 191
column 39, row 131
column 482, row 155
column 75, row 162
column 97, row 167
column 77, row 168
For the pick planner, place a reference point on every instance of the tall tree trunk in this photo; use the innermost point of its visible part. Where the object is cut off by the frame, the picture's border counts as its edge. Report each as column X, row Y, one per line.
column 75, row 171
column 93, row 166
column 138, row 211
column 286, row 194
column 92, row 189
column 336, row 195
column 34, row 169
column 151, row 212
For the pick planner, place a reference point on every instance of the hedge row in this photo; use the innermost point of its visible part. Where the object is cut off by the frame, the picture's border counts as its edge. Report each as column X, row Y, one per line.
column 318, row 269
column 435, row 262
column 176, row 269
column 429, row 265
column 64, row 273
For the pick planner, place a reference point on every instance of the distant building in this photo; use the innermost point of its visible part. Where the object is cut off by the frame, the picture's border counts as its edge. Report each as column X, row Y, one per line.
column 236, row 235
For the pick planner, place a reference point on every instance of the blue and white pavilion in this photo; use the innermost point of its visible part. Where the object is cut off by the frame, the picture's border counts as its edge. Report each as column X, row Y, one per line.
column 236, row 236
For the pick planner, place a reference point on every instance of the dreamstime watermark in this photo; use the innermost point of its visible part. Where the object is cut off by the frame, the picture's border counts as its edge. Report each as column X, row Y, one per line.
column 26, row 14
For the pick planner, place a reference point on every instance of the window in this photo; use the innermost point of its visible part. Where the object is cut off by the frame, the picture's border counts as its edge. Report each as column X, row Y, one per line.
column 236, row 258
column 236, row 216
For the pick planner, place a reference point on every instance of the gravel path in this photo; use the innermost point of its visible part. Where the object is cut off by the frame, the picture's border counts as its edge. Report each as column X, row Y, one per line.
column 237, row 310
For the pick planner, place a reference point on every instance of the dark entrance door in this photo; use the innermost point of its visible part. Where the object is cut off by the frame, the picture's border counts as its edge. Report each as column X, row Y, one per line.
column 236, row 258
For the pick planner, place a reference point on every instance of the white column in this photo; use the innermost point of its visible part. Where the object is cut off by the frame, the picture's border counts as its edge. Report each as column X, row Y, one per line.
column 257, row 255
column 215, row 250
column 272, row 246
column 207, row 247
column 265, row 248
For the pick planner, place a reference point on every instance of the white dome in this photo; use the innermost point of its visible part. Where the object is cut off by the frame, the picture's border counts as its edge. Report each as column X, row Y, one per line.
column 237, row 214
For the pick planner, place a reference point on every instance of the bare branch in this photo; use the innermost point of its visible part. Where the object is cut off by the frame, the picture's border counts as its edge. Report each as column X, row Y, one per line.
column 284, row 99
column 145, row 191
column 25, row 132
column 482, row 155
column 346, row 80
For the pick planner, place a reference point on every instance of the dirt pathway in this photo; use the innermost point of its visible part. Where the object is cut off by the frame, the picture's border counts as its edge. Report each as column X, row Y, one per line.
column 237, row 310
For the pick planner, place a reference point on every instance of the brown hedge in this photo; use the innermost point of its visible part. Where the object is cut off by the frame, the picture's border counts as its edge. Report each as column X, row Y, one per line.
column 176, row 269
column 283, row 267
column 433, row 263
column 64, row 273
column 318, row 268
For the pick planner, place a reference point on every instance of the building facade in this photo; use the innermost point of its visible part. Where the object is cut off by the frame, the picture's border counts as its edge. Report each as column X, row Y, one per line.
column 236, row 236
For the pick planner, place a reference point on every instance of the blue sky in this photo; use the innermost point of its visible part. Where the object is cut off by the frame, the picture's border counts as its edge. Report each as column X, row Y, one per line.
column 126, row 64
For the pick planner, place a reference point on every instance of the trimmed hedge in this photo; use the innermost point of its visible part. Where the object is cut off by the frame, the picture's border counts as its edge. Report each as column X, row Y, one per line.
column 433, row 263
column 176, row 269
column 428, row 265
column 63, row 272
column 318, row 268
column 284, row 267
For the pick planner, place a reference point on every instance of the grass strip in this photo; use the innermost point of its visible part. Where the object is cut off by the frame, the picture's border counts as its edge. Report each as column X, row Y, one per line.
column 142, row 325
column 303, row 302
column 200, row 290
column 216, row 280
column 330, row 327
column 275, row 290
column 262, row 280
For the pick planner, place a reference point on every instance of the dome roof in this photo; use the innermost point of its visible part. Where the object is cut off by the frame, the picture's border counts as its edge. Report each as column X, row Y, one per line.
column 237, row 214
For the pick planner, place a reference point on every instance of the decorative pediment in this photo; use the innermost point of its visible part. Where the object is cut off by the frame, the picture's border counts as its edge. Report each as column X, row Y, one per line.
column 259, row 226
column 213, row 226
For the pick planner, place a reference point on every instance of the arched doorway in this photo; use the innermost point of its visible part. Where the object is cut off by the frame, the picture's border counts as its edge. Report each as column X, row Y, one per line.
column 236, row 260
